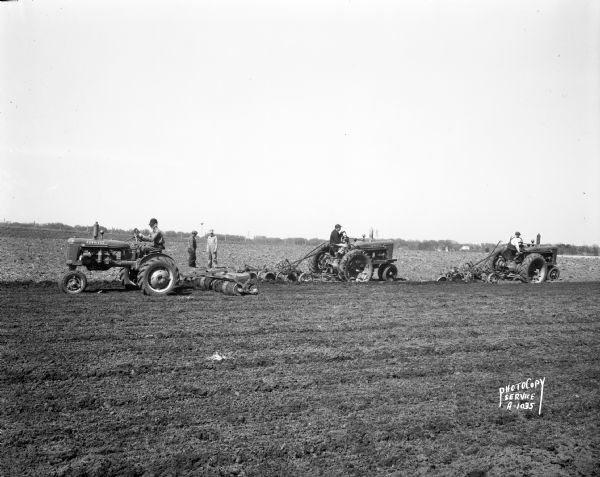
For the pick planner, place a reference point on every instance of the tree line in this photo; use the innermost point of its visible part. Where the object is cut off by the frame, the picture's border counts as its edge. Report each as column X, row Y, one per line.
column 424, row 245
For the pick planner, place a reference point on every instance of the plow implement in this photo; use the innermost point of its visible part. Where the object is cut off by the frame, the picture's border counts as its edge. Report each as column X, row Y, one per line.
column 352, row 260
column 222, row 281
column 533, row 264
column 471, row 272
column 284, row 270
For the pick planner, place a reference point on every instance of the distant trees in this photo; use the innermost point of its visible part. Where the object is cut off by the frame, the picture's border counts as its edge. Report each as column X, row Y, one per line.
column 432, row 245
column 566, row 249
column 425, row 245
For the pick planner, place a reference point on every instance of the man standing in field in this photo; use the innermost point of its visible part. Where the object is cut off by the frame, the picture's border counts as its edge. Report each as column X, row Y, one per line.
column 155, row 237
column 192, row 249
column 211, row 248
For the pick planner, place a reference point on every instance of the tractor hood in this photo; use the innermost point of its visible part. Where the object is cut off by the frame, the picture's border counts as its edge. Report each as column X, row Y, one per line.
column 541, row 249
column 99, row 243
column 375, row 245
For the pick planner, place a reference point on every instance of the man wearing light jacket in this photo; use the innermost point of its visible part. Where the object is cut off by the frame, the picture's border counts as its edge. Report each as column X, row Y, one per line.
column 514, row 247
column 211, row 248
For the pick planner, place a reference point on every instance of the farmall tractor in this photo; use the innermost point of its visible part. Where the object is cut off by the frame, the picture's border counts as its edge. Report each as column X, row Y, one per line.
column 535, row 264
column 145, row 268
column 154, row 272
column 355, row 259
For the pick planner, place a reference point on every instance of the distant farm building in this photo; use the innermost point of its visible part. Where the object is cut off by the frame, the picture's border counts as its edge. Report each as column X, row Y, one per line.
column 465, row 248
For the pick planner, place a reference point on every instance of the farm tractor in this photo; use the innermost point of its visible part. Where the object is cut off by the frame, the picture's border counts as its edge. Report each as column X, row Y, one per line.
column 145, row 268
column 535, row 264
column 356, row 260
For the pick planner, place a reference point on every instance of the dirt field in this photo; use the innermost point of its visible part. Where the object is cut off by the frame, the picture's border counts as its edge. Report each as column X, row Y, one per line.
column 396, row 378
column 318, row 379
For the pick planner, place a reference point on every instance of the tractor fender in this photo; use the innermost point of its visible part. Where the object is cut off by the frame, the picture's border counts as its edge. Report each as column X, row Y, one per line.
column 164, row 256
column 145, row 258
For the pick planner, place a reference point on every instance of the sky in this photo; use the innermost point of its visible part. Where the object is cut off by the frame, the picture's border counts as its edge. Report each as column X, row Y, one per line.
column 461, row 120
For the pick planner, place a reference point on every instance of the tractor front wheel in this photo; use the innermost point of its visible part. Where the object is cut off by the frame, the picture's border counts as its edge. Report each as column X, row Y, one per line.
column 158, row 276
column 388, row 272
column 553, row 273
column 73, row 282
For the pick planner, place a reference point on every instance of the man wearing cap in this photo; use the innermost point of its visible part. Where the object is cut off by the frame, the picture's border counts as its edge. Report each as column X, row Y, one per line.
column 335, row 238
column 514, row 247
column 192, row 249
column 156, row 237
column 211, row 248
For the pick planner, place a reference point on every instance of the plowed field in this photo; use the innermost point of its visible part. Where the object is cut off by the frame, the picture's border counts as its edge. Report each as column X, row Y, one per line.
column 311, row 379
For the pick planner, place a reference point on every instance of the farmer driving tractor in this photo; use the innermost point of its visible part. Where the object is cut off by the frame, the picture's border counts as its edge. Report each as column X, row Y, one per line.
column 336, row 239
column 514, row 247
column 156, row 238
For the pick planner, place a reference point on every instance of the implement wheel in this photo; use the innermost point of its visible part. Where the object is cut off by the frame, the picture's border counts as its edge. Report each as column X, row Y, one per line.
column 305, row 278
column 73, row 282
column 287, row 276
column 267, row 276
column 496, row 262
column 318, row 262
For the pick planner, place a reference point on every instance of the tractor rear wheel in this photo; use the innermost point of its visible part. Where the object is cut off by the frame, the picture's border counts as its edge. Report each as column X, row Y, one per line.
column 158, row 276
column 356, row 265
column 73, row 282
column 318, row 262
column 534, row 268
